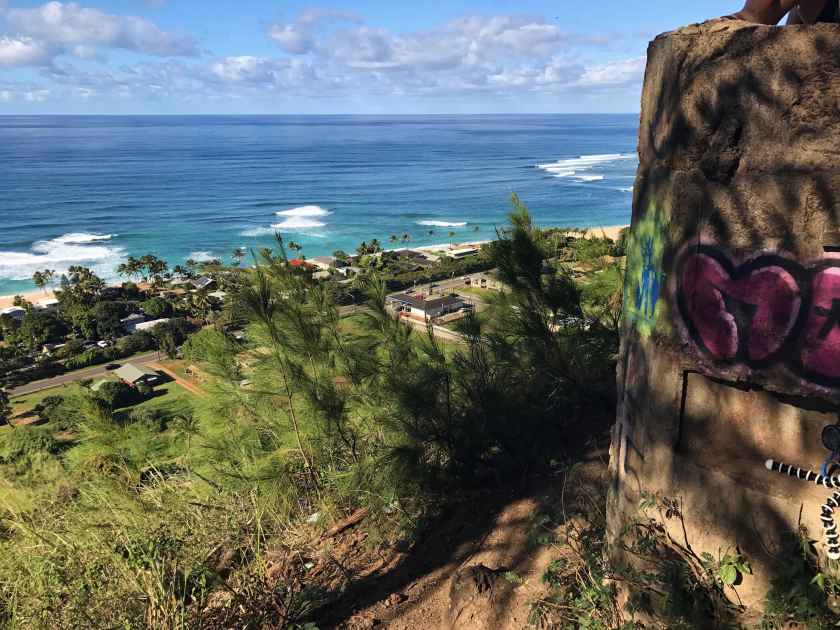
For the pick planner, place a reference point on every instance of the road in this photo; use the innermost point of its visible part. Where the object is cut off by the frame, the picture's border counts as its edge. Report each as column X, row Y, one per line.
column 78, row 375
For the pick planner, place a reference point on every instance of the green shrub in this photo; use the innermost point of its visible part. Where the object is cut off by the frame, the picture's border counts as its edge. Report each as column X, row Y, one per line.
column 118, row 394
column 136, row 342
column 85, row 359
column 48, row 406
column 152, row 419
column 25, row 441
column 157, row 308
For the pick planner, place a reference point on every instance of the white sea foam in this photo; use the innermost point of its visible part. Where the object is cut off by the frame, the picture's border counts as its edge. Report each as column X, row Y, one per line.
column 257, row 231
column 61, row 253
column 443, row 223
column 294, row 223
column 578, row 168
column 201, row 256
column 80, row 238
column 304, row 211
column 628, row 189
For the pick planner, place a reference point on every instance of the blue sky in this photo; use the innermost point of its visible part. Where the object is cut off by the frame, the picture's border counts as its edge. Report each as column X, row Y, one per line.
column 362, row 57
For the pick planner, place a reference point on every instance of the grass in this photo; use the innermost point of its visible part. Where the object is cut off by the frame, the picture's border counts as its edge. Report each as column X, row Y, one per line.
column 170, row 399
column 353, row 325
column 483, row 294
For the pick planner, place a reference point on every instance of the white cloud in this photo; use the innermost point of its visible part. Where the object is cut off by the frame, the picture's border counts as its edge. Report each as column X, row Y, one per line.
column 616, row 73
column 22, row 51
column 72, row 28
column 322, row 55
column 292, row 38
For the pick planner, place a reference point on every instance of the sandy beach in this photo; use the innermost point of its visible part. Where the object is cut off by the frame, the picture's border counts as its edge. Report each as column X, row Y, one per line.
column 611, row 231
column 31, row 296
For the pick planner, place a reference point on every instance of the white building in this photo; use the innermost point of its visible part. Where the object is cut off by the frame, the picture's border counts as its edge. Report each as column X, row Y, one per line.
column 150, row 324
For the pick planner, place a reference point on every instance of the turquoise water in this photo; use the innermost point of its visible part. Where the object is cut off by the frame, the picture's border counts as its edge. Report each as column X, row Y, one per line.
column 92, row 190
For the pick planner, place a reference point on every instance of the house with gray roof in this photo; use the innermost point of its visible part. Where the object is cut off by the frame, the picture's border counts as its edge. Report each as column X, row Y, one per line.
column 137, row 374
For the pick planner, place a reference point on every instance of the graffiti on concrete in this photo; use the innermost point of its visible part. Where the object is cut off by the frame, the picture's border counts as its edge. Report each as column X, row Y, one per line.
column 647, row 292
column 645, row 245
column 769, row 310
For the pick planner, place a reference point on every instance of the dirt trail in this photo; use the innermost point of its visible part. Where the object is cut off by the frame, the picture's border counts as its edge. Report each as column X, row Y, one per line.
column 495, row 530
column 182, row 382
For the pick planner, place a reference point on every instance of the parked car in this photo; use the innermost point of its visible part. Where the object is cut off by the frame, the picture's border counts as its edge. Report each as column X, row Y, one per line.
column 112, row 366
column 103, row 343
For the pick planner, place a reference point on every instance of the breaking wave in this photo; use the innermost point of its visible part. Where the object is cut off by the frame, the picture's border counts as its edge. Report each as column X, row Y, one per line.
column 297, row 223
column 201, row 256
column 60, row 253
column 443, row 223
column 578, row 168
column 304, row 211
column 257, row 231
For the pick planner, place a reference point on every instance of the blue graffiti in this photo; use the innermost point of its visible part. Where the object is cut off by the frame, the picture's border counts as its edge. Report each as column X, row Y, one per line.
column 647, row 293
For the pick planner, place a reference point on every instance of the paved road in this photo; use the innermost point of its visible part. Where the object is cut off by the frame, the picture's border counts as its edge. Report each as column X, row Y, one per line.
column 78, row 375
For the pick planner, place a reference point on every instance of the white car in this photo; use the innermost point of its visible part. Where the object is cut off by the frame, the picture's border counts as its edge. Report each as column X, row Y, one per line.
column 103, row 343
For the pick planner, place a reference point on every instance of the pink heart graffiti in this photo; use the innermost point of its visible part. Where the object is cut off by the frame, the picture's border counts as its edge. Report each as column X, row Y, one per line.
column 767, row 310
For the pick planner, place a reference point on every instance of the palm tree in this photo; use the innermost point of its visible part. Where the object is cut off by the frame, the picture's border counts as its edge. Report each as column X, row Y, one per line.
column 451, row 236
column 130, row 268
column 477, row 228
column 295, row 247
column 237, row 255
column 200, row 305
column 406, row 237
column 39, row 280
column 375, row 247
column 393, row 238
column 431, row 232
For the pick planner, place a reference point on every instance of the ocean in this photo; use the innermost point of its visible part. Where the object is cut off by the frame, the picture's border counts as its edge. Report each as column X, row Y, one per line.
column 91, row 190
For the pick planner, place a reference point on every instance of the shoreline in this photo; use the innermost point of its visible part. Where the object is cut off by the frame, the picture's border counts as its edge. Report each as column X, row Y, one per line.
column 611, row 231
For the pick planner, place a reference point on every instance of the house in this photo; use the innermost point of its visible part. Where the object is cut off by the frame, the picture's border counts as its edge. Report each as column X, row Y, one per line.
column 218, row 295
column 419, row 306
column 322, row 275
column 326, row 263
column 15, row 312
column 462, row 252
column 484, row 280
column 150, row 324
column 137, row 375
column 47, row 304
column 131, row 322
column 206, row 283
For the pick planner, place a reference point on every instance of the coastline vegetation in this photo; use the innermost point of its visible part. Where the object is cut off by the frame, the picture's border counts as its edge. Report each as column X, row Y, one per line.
column 161, row 507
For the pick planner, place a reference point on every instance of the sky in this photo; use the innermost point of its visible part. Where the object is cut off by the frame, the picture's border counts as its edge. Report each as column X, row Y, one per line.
column 340, row 57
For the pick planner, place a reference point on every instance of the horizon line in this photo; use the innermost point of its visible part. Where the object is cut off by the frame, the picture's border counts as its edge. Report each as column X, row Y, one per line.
column 379, row 115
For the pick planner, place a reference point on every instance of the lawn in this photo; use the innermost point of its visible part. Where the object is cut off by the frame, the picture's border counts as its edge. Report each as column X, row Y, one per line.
column 484, row 295
column 170, row 398
column 353, row 325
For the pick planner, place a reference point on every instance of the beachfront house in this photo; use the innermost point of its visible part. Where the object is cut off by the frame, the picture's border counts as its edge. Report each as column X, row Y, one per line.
column 325, row 263
column 48, row 304
column 420, row 307
column 137, row 375
column 462, row 252
column 14, row 312
column 206, row 283
column 131, row 322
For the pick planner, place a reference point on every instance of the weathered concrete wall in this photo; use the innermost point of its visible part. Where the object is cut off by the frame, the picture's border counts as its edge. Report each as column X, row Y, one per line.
column 731, row 341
